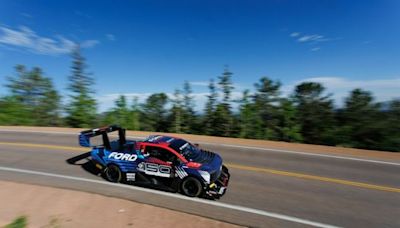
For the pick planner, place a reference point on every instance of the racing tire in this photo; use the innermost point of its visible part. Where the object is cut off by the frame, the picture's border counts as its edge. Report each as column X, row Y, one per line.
column 191, row 187
column 113, row 173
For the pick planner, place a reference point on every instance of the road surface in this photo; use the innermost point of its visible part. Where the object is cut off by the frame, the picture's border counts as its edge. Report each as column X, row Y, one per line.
column 267, row 188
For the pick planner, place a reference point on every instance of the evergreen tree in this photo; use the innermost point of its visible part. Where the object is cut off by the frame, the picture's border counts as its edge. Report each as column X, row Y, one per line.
column 247, row 116
column 81, row 109
column 288, row 126
column 315, row 112
column 225, row 83
column 362, row 122
column 37, row 94
column 154, row 113
column 391, row 132
column 223, row 113
column 108, row 118
column 176, row 112
column 208, row 117
column 189, row 116
column 120, row 115
column 13, row 112
column 121, row 111
column 134, row 118
column 266, row 100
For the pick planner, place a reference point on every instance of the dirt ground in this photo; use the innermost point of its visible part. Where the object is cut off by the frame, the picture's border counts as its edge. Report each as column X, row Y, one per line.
column 341, row 151
column 52, row 207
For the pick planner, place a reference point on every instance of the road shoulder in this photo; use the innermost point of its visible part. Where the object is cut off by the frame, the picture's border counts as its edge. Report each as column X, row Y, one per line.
column 48, row 207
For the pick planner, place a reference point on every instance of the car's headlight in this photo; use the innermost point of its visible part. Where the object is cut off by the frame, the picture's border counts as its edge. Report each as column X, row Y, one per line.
column 205, row 175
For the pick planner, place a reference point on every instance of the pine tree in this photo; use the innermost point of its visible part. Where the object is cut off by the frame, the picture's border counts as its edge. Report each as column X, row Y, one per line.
column 121, row 111
column 13, row 112
column 134, row 119
column 189, row 116
column 363, row 124
column 154, row 113
column 208, row 117
column 288, row 126
column 37, row 94
column 176, row 112
column 81, row 109
column 223, row 113
column 265, row 101
column 225, row 83
column 316, row 114
column 246, row 116
column 391, row 132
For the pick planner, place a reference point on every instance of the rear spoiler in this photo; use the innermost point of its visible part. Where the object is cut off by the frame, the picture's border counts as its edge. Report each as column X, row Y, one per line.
column 84, row 136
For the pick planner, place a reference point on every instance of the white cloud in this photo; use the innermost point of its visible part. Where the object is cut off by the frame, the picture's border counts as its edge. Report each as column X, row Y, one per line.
column 110, row 37
column 312, row 38
column 25, row 38
column 382, row 89
column 294, row 34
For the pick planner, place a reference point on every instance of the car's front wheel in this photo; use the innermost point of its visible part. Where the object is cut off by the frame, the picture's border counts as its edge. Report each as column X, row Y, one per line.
column 191, row 187
column 113, row 173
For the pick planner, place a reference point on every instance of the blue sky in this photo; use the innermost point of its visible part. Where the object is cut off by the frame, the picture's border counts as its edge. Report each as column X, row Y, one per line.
column 141, row 47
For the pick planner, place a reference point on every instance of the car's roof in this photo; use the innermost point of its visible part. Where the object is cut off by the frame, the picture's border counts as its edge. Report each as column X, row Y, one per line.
column 161, row 139
column 169, row 141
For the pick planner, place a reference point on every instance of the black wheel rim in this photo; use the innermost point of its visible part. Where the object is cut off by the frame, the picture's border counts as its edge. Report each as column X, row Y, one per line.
column 113, row 173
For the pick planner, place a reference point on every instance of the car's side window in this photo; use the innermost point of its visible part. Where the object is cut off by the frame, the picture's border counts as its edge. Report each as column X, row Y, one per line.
column 161, row 154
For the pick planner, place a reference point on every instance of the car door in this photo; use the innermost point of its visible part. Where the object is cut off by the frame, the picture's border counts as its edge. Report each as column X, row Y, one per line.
column 159, row 162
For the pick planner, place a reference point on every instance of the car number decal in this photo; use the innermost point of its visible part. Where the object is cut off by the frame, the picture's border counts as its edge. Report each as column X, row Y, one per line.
column 155, row 169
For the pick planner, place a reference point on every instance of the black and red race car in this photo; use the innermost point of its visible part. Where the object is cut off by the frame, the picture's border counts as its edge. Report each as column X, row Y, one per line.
column 159, row 161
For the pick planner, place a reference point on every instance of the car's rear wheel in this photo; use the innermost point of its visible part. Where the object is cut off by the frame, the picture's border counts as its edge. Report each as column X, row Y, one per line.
column 191, row 187
column 113, row 173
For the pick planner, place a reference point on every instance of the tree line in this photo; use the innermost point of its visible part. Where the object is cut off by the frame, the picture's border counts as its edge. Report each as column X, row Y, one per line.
column 308, row 115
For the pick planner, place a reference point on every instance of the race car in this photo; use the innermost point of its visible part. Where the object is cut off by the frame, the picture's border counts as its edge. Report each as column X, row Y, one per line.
column 159, row 161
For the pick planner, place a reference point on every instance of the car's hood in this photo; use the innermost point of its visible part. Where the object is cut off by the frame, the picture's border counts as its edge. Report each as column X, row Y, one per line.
column 212, row 163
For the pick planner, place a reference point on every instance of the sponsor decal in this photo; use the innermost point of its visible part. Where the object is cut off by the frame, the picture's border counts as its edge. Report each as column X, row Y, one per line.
column 155, row 169
column 130, row 176
column 181, row 172
column 123, row 156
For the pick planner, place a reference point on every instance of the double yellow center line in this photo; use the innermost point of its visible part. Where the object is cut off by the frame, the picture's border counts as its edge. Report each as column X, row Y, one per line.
column 241, row 167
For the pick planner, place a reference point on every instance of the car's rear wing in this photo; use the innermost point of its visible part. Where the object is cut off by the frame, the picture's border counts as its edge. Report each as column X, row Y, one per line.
column 84, row 136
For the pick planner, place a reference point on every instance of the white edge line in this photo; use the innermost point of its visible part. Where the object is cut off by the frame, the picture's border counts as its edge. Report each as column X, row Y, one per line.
column 213, row 203
column 238, row 146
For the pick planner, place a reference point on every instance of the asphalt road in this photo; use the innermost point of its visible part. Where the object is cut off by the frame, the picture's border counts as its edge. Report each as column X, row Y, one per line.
column 326, row 190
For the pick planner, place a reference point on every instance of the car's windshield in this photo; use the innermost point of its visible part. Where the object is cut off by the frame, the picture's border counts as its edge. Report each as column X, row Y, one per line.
column 189, row 151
